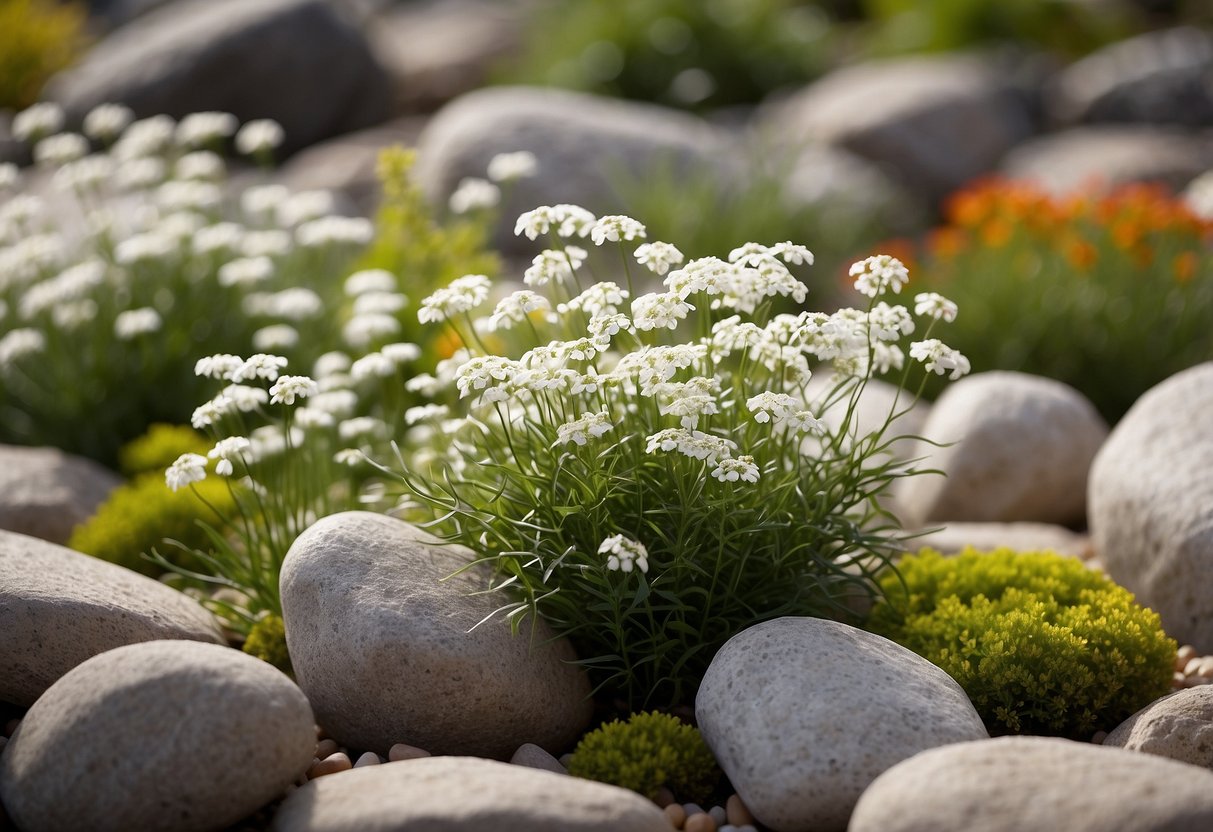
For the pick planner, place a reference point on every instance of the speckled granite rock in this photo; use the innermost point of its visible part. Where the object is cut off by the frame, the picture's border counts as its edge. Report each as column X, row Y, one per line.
column 166, row 735
column 1015, row 784
column 802, row 714
column 464, row 794
column 1179, row 726
column 381, row 645
column 59, row 607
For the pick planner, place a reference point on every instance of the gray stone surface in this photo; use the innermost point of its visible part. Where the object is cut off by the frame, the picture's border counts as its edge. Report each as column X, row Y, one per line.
column 59, row 608
column 1015, row 784
column 802, row 714
column 585, row 145
column 933, row 122
column 532, row 756
column 167, row 735
column 381, row 645
column 1150, row 504
column 1179, row 726
column 1163, row 77
column 303, row 63
column 464, row 794
column 1106, row 156
column 1020, row 450
column 1022, row 537
column 46, row 493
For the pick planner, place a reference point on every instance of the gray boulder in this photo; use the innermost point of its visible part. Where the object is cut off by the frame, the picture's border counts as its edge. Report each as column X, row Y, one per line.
column 1107, row 156
column 464, row 794
column 933, row 122
column 46, row 493
column 802, row 714
column 1150, row 504
column 1020, row 450
column 167, row 735
column 1013, row 784
column 585, row 145
column 301, row 62
column 59, row 608
column 1022, row 537
column 1161, row 77
column 1179, row 726
column 386, row 651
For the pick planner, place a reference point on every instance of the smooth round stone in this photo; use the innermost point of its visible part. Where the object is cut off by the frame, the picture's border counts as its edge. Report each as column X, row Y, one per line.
column 1179, row 726
column 165, row 735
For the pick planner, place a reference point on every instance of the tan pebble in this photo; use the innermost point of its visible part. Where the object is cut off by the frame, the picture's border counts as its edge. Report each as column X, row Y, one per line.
column 330, row 765
column 326, row 748
column 676, row 814
column 1184, row 655
column 1204, row 666
column 11, row 726
column 370, row 758
column 702, row 822
column 1099, row 737
column 1193, row 666
column 737, row 812
column 1177, row 679
column 664, row 797
column 401, row 751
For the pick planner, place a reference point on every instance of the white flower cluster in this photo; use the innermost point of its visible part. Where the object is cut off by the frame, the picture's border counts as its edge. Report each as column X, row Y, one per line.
column 624, row 554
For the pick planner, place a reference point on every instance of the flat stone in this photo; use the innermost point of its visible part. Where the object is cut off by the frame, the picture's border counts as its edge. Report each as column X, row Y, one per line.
column 59, row 608
column 1151, row 504
column 464, row 794
column 46, row 493
column 388, row 652
column 803, row 714
column 1179, row 726
column 163, row 735
column 1019, row 448
column 1022, row 537
column 532, row 756
column 1013, row 784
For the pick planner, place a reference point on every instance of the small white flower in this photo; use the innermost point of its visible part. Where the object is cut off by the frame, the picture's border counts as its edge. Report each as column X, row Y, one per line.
column 568, row 221
column 879, row 274
column 616, row 228
column 20, row 342
column 401, row 353
column 201, row 164
column 936, row 306
column 60, row 149
column 515, row 308
column 364, row 329
column 189, row 468
column 287, row 388
column 349, row 457
column 554, row 266
column 624, row 554
column 290, row 209
column 368, row 281
column 259, row 136
column 890, row 323
column 10, row 174
column 219, row 365
column 506, row 167
column 140, row 173
column 331, row 363
column 276, row 337
column 146, row 137
column 135, row 322
column 339, row 403
column 220, row 238
column 693, row 443
column 579, row 431
column 463, row 295
column 243, row 397
column 106, row 122
column 709, row 275
column 224, row 450
column 939, row 358
column 768, row 406
column 311, row 417
column 260, row 365
column 803, row 421
column 658, row 257
column 474, row 194
column 426, row 413
column 371, row 366
column 659, row 311
column 361, row 426
column 731, row 470
column 198, row 129
column 37, row 121
column 327, row 231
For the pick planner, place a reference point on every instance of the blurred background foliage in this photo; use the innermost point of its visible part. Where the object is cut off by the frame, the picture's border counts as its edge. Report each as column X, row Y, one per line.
column 37, row 39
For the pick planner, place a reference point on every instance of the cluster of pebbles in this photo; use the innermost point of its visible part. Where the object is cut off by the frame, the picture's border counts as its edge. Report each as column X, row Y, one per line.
column 1191, row 668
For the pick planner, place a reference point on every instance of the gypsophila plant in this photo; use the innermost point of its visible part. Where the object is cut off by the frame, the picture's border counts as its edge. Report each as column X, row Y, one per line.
column 1041, row 643
column 145, row 261
column 645, row 469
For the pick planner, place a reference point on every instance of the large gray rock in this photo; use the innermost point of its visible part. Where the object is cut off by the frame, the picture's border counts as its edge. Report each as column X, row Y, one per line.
column 300, row 62
column 1020, row 450
column 1022, row 537
column 59, row 608
column 934, row 122
column 1015, row 784
column 1161, row 77
column 1107, row 156
column 1150, row 504
column 385, row 650
column 46, row 493
column 167, row 735
column 1179, row 726
column 585, row 145
column 802, row 714
column 464, row 794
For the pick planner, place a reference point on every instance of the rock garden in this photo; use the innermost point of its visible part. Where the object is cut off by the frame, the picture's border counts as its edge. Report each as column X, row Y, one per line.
column 643, row 415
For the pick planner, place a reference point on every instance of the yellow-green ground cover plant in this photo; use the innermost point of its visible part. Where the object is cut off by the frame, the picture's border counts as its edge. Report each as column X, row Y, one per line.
column 1041, row 643
column 37, row 39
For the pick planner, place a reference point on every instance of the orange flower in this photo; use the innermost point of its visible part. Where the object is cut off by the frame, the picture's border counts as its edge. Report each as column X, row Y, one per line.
column 945, row 243
column 1080, row 253
column 996, row 233
column 1184, row 266
column 448, row 342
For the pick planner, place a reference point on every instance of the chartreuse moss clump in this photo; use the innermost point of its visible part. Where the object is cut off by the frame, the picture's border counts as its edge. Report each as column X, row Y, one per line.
column 267, row 641
column 649, row 751
column 159, row 447
column 1039, row 642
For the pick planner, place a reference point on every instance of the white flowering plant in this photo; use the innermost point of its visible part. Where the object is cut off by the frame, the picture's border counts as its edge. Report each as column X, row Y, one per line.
column 650, row 472
column 139, row 257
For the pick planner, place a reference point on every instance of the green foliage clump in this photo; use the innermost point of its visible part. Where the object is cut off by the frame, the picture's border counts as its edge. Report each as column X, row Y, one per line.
column 159, row 448
column 37, row 39
column 649, row 751
column 1039, row 642
column 141, row 515
column 267, row 641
